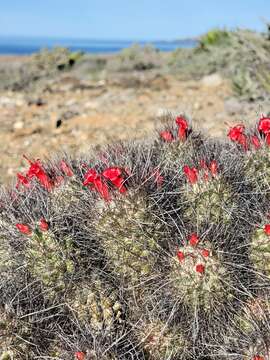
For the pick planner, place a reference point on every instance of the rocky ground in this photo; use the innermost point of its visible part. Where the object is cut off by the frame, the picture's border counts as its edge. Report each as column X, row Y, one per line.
column 71, row 110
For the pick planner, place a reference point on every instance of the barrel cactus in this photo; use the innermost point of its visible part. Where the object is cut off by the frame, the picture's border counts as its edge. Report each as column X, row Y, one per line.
column 198, row 275
column 154, row 249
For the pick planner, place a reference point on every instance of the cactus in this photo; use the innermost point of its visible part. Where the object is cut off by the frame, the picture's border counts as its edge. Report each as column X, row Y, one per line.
column 208, row 194
column 130, row 236
column 198, row 275
column 260, row 250
column 145, row 250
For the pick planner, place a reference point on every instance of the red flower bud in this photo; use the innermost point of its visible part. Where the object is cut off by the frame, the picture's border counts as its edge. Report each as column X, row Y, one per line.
column 22, row 180
column 205, row 252
column 66, row 169
column 79, row 355
column 36, row 170
column 191, row 174
column 24, row 229
column 200, row 268
column 267, row 139
column 182, row 127
column 264, row 125
column 236, row 134
column 93, row 179
column 43, row 225
column 258, row 357
column 167, row 136
column 255, row 141
column 267, row 229
column 193, row 240
column 213, row 167
column 181, row 256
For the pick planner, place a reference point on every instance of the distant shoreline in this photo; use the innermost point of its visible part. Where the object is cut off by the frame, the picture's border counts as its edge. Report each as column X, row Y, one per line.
column 26, row 46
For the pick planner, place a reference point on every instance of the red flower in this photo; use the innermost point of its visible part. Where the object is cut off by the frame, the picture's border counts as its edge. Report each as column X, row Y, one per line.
column 79, row 355
column 264, row 125
column 182, row 127
column 36, row 170
column 200, row 268
column 205, row 252
column 24, row 229
column 267, row 229
column 191, row 174
column 93, row 179
column 181, row 256
column 255, row 141
column 22, row 180
column 66, row 169
column 236, row 134
column 114, row 174
column 43, row 225
column 193, row 240
column 213, row 167
column 166, row 136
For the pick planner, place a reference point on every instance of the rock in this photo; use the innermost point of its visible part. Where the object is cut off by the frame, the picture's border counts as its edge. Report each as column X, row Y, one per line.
column 197, row 106
column 18, row 125
column 213, row 80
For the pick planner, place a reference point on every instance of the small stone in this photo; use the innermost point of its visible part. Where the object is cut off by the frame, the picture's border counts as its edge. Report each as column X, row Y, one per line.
column 18, row 125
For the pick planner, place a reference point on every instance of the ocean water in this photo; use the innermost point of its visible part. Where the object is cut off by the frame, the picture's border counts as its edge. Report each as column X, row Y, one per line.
column 26, row 46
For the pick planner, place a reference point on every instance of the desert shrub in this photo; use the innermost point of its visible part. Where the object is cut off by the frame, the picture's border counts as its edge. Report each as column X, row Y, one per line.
column 241, row 56
column 135, row 57
column 215, row 37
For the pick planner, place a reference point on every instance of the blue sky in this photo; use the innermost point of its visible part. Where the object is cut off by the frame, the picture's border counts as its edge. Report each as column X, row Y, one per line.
column 128, row 19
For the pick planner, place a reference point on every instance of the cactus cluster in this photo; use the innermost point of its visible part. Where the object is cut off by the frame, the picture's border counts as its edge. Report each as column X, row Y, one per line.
column 154, row 249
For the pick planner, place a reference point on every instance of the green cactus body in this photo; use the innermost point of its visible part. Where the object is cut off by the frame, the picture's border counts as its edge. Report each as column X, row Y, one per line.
column 209, row 200
column 64, row 196
column 260, row 252
column 49, row 260
column 257, row 168
column 14, row 336
column 199, row 280
column 130, row 234
column 162, row 342
column 172, row 153
column 93, row 303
